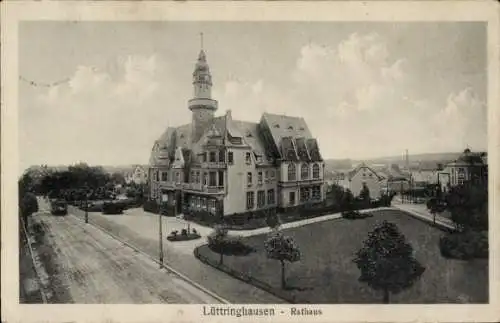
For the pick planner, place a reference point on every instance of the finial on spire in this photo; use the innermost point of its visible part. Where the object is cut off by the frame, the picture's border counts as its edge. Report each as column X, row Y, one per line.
column 201, row 40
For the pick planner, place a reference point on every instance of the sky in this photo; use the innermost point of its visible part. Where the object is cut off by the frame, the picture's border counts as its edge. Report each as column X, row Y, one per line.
column 365, row 89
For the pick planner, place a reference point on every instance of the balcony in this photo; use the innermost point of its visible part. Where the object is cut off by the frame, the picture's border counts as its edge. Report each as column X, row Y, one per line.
column 213, row 165
column 199, row 188
column 171, row 185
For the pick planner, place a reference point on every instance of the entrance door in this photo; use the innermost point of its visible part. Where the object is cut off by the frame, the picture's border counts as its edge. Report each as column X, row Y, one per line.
column 292, row 198
column 178, row 202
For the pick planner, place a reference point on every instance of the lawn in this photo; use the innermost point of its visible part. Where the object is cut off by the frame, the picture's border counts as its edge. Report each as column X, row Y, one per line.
column 326, row 273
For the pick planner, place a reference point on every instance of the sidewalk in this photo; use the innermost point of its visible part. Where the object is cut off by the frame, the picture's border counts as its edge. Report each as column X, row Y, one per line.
column 420, row 211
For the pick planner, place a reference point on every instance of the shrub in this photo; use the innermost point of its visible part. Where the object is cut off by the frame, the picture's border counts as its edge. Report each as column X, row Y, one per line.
column 354, row 215
column 184, row 232
column 112, row 208
column 464, row 246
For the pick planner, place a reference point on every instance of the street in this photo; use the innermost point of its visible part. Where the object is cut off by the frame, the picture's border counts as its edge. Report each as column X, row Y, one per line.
column 95, row 268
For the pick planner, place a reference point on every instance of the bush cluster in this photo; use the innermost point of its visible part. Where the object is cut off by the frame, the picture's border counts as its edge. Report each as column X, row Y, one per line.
column 112, row 208
column 355, row 215
column 464, row 246
column 221, row 242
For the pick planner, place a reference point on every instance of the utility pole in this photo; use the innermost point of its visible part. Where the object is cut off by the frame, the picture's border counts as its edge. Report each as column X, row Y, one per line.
column 160, row 229
column 86, row 204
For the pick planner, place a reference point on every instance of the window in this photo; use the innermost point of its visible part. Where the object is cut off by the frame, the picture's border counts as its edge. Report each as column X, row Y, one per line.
column 272, row 174
column 259, row 159
column 250, row 200
column 259, row 178
column 212, row 179
column 304, row 171
column 316, row 193
column 248, row 159
column 261, row 198
column 291, row 198
column 204, row 157
column 164, row 176
column 290, row 127
column 192, row 178
column 276, row 125
column 230, row 157
column 197, row 177
column 212, row 157
column 205, row 178
column 266, row 175
column 221, row 178
column 204, row 203
column 192, row 201
column 222, row 156
column 304, row 194
column 198, row 202
column 249, row 179
column 315, row 171
column 270, row 196
column 291, row 172
column 177, row 177
column 211, row 205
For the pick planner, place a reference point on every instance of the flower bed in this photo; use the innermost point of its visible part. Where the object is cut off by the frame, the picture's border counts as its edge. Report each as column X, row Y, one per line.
column 183, row 236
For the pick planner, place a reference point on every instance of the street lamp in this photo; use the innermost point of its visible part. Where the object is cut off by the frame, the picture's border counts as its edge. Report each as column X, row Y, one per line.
column 160, row 229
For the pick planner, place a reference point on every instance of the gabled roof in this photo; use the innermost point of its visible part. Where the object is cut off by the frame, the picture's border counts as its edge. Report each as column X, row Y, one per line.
column 251, row 136
column 286, row 126
column 353, row 172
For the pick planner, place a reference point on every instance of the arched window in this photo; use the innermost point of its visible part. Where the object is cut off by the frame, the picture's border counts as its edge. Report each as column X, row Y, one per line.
column 315, row 171
column 304, row 171
column 291, row 172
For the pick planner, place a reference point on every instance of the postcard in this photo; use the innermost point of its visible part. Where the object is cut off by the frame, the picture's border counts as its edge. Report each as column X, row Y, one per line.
column 250, row 161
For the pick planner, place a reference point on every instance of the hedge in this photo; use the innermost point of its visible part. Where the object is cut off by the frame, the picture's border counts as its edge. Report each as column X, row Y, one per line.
column 464, row 246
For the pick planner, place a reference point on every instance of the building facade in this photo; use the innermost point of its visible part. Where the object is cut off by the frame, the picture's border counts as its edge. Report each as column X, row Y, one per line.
column 361, row 175
column 225, row 166
column 138, row 176
column 469, row 167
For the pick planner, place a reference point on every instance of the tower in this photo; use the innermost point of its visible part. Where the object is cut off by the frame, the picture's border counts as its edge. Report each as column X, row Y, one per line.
column 201, row 105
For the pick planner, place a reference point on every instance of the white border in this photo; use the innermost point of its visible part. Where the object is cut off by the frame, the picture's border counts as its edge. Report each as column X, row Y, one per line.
column 13, row 12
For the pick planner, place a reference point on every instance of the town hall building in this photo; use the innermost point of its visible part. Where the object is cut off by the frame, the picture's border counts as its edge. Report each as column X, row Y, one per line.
column 226, row 166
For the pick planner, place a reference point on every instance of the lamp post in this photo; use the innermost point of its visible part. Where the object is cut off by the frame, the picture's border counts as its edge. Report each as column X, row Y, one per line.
column 160, row 229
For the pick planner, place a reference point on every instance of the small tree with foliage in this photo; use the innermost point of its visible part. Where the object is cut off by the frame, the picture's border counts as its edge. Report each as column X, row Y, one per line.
column 216, row 241
column 386, row 261
column 364, row 194
column 347, row 201
column 28, row 205
column 282, row 248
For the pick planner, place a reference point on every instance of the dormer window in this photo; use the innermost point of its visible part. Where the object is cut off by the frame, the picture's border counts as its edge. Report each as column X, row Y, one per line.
column 182, row 135
column 276, row 125
column 249, row 134
column 290, row 127
column 301, row 128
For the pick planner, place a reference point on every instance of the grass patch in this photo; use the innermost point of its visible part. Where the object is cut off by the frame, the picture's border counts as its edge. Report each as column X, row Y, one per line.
column 327, row 275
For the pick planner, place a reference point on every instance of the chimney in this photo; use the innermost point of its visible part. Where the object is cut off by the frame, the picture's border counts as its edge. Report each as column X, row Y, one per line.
column 228, row 114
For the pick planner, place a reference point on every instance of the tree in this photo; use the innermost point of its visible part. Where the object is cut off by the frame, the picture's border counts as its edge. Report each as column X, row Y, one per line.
column 386, row 261
column 273, row 220
column 347, row 201
column 216, row 241
column 28, row 205
column 365, row 193
column 282, row 248
column 468, row 205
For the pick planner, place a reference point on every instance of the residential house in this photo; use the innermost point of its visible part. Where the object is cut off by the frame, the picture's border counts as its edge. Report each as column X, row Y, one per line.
column 138, row 176
column 361, row 175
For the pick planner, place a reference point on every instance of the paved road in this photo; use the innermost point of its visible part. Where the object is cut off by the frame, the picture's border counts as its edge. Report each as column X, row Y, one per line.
column 96, row 268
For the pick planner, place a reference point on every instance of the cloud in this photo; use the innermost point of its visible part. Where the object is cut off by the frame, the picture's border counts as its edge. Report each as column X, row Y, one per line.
column 462, row 121
column 99, row 115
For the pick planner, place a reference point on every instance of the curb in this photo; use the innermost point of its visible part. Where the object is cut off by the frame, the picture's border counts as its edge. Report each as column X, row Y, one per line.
column 164, row 265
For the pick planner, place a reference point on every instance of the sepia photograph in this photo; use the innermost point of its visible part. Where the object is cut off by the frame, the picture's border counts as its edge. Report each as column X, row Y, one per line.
column 297, row 163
